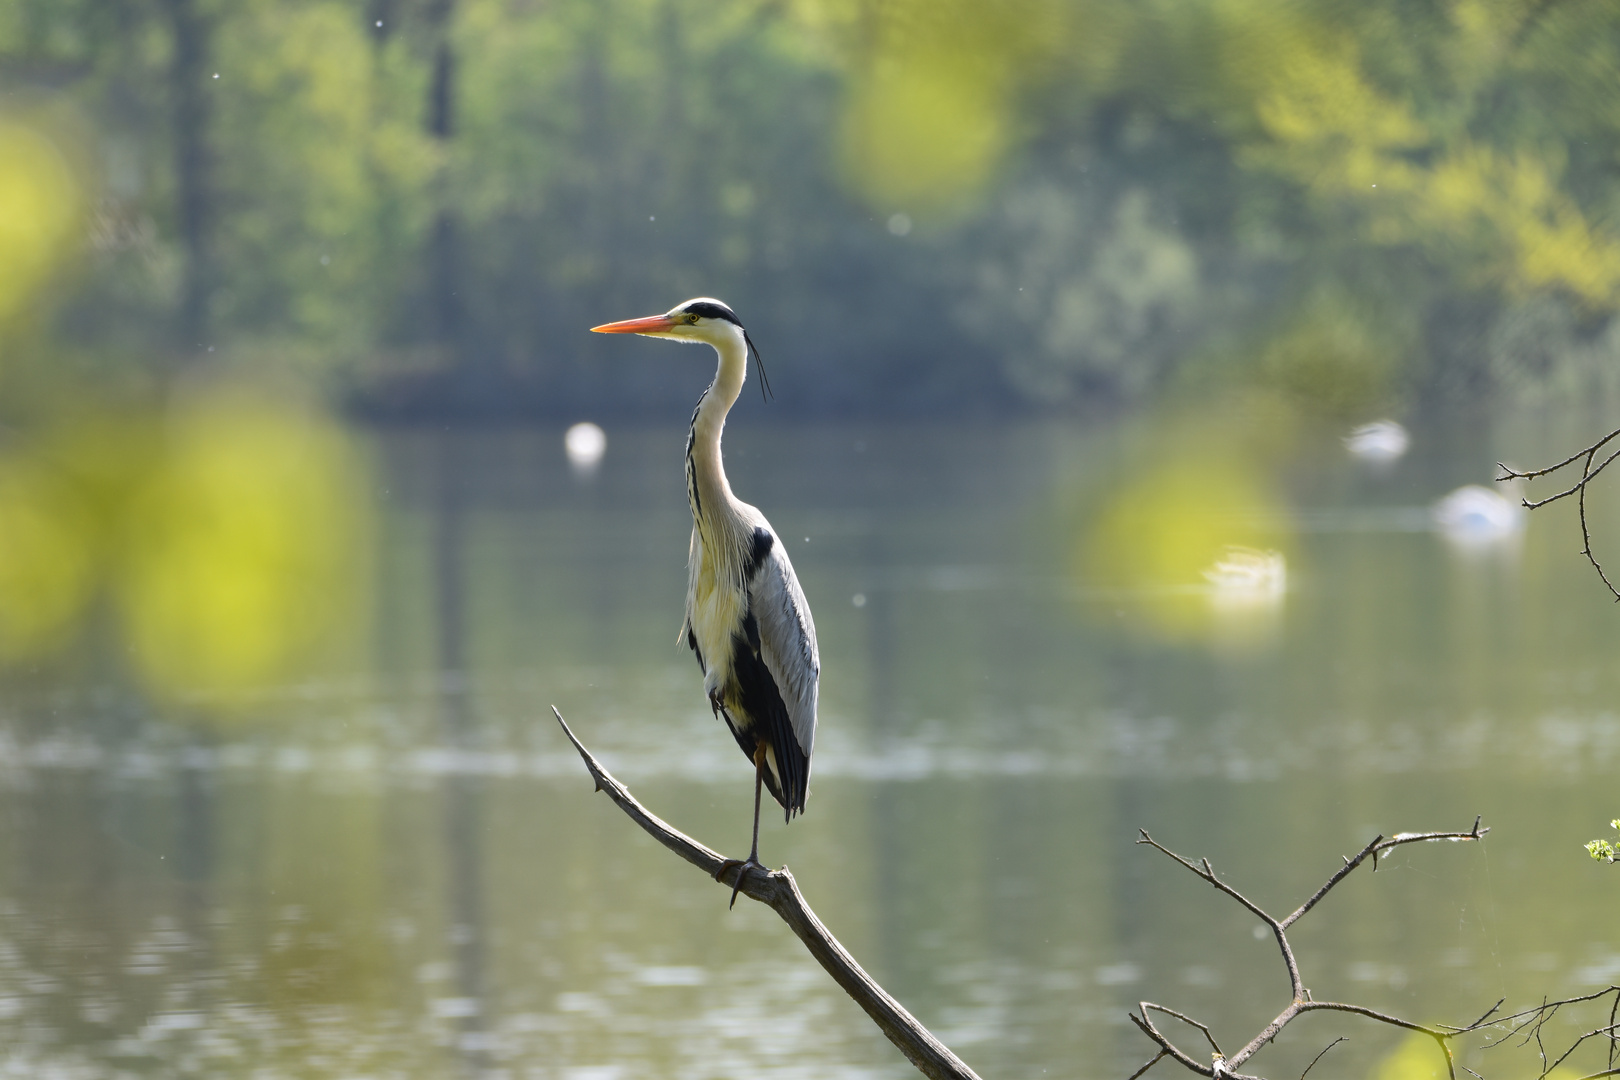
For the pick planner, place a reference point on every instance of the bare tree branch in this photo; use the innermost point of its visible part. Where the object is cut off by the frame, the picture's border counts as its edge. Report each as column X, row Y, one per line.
column 1213, row 1045
column 1207, row 872
column 1166, row 1047
column 1378, row 846
column 1279, row 927
column 1224, row 1066
column 777, row 890
column 1578, row 489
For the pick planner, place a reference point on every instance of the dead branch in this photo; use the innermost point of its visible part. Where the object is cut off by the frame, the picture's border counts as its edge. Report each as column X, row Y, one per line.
column 1226, row 1068
column 1526, row 1026
column 778, row 891
column 1578, row 489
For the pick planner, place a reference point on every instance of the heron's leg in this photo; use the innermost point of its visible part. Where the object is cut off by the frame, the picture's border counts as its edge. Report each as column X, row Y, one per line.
column 753, row 851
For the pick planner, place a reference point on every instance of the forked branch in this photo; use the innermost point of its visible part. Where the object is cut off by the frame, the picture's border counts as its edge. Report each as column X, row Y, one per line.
column 777, row 890
column 1589, row 472
column 1223, row 1066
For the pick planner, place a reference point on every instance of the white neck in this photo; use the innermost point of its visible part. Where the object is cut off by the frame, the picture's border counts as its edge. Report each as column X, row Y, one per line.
column 705, row 470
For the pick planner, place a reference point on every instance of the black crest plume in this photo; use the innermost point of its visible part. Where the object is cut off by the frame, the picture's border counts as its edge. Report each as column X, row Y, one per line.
column 764, row 383
column 713, row 309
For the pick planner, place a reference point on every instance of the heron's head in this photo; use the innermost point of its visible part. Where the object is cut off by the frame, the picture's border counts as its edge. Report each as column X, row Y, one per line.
column 701, row 320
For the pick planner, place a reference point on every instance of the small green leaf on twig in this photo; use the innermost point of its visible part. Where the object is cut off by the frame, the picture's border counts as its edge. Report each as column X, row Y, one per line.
column 1602, row 849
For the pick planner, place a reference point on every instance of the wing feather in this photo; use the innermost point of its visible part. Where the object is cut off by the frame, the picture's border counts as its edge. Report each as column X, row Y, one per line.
column 787, row 640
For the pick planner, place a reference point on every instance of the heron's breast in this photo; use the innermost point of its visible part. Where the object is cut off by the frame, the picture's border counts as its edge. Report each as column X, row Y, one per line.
column 718, row 610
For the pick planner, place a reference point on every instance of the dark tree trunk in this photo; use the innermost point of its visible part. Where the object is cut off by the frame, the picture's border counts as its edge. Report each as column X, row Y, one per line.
column 444, row 243
column 192, row 110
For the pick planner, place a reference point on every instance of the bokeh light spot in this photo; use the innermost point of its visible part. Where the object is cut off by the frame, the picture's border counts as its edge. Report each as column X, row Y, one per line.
column 1159, row 537
column 245, row 550
column 39, row 212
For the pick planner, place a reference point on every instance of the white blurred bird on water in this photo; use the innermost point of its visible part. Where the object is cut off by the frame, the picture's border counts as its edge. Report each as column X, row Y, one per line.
column 1476, row 517
column 1382, row 442
column 1247, row 578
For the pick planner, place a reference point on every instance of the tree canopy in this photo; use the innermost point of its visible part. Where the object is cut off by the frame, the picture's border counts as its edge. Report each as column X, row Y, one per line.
column 921, row 205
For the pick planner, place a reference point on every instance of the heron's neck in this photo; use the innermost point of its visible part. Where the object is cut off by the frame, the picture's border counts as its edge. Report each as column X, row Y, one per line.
column 707, row 487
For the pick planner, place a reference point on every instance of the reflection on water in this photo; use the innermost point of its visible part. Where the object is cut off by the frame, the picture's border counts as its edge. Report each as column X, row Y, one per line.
column 391, row 864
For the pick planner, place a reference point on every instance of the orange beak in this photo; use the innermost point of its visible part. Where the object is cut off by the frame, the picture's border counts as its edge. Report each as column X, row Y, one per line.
column 652, row 324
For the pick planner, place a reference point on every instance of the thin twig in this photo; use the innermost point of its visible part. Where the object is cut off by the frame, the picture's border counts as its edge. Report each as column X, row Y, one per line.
column 1514, row 474
column 1213, row 1045
column 1154, row 1060
column 1482, row 1017
column 1545, row 1005
column 1218, row 1068
column 1614, row 1010
column 1585, row 456
column 778, row 890
column 1207, row 872
column 1318, row 1057
column 1587, row 474
column 1586, row 532
column 1338, row 875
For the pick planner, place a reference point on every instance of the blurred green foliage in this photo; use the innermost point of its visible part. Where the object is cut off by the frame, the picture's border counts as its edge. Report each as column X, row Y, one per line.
column 216, row 522
column 424, row 202
column 222, row 537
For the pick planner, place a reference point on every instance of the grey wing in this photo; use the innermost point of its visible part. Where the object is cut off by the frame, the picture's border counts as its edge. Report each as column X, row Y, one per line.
column 787, row 640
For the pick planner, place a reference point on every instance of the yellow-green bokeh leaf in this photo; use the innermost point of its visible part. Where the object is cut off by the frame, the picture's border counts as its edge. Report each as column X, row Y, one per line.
column 1418, row 1057
column 245, row 549
column 46, row 570
column 1159, row 535
column 922, row 137
column 40, row 204
column 932, row 104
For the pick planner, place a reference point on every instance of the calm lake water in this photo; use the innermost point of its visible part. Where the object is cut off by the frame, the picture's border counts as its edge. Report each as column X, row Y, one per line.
column 397, row 867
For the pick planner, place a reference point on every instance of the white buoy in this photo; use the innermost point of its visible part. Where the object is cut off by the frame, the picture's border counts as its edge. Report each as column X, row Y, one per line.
column 585, row 444
column 1381, row 442
column 1477, row 517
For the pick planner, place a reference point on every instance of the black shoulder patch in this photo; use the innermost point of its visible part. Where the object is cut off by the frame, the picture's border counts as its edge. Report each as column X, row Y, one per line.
column 758, row 550
column 711, row 309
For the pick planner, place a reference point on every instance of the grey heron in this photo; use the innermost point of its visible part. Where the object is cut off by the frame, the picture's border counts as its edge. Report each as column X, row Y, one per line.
column 746, row 617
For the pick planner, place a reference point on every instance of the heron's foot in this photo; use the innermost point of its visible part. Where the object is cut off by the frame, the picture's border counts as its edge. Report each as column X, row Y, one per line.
column 742, row 866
